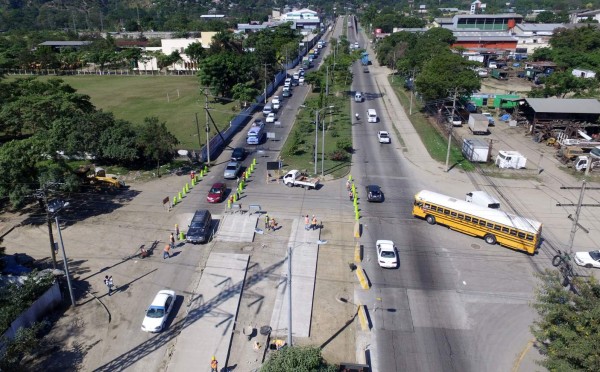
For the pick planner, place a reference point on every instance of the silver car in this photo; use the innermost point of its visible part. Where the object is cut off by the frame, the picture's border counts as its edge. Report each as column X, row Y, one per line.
column 232, row 170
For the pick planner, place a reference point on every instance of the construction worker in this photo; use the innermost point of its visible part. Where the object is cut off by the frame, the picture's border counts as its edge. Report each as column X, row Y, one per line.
column 214, row 365
column 266, row 221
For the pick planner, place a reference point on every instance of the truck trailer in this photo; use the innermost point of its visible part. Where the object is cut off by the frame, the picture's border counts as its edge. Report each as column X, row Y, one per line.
column 478, row 124
column 476, row 150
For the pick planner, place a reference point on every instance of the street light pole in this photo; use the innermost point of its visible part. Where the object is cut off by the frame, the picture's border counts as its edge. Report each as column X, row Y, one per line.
column 450, row 132
column 62, row 245
column 316, row 137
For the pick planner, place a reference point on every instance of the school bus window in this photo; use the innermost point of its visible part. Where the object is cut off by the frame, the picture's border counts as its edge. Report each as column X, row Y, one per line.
column 467, row 218
column 481, row 223
column 490, row 225
column 446, row 211
column 521, row 235
column 461, row 216
column 513, row 232
column 529, row 237
column 453, row 214
column 497, row 227
column 427, row 206
column 505, row 229
column 475, row 220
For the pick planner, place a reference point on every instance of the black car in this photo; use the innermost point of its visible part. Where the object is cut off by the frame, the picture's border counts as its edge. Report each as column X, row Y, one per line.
column 200, row 229
column 238, row 154
column 374, row 193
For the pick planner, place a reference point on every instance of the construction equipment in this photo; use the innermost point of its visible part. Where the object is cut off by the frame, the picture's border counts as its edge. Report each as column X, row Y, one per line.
column 97, row 177
column 568, row 153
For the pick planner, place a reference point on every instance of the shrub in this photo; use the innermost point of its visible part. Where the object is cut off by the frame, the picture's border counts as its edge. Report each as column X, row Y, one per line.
column 344, row 144
column 339, row 155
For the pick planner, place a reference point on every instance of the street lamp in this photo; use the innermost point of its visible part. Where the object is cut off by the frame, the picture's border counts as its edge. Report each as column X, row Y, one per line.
column 55, row 208
column 317, row 135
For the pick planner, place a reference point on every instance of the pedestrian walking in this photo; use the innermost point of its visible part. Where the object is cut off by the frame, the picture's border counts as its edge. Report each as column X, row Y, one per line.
column 192, row 175
column 313, row 223
column 214, row 365
column 306, row 223
column 166, row 252
column 266, row 221
column 348, row 185
column 177, row 231
column 172, row 241
column 351, row 195
column 109, row 284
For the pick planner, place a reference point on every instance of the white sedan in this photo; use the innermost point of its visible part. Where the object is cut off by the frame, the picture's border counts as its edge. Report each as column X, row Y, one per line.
column 383, row 136
column 386, row 254
column 588, row 259
column 270, row 118
column 301, row 80
column 158, row 312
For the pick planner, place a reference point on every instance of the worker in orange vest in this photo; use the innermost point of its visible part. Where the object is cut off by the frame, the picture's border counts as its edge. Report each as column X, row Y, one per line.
column 214, row 365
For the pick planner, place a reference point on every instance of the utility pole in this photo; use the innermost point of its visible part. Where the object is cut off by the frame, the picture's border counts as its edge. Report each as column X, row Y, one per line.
column 198, row 131
column 43, row 199
column 316, row 137
column 207, row 128
column 412, row 89
column 451, row 127
column 289, row 286
column 65, row 262
column 265, row 82
column 576, row 219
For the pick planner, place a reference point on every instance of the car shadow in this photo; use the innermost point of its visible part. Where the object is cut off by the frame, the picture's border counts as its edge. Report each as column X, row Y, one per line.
column 177, row 305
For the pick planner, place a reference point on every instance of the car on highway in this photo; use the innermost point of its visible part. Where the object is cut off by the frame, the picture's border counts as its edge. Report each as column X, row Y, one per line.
column 374, row 193
column 286, row 92
column 383, row 136
column 232, row 169
column 216, row 194
column 271, row 118
column 158, row 312
column 238, row 154
column 588, row 259
column 387, row 257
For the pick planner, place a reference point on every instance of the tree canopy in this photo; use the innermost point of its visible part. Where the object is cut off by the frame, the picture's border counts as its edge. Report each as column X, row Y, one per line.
column 447, row 73
column 568, row 329
column 297, row 358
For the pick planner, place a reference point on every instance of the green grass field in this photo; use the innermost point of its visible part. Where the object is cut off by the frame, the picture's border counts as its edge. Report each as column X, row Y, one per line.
column 173, row 99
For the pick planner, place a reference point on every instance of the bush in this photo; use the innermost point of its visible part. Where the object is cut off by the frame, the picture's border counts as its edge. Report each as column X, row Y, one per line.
column 338, row 155
column 297, row 358
column 344, row 144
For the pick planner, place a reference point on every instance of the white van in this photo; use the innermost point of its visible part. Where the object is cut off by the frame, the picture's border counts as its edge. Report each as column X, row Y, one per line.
column 483, row 199
column 358, row 97
column 372, row 116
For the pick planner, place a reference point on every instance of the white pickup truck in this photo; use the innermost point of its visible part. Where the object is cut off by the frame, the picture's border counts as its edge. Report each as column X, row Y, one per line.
column 297, row 178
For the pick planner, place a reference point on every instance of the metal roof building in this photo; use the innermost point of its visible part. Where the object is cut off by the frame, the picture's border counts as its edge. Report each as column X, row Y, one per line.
column 564, row 106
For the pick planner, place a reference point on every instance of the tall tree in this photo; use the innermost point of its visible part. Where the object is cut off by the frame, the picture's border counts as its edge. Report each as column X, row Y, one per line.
column 568, row 326
column 446, row 74
column 156, row 142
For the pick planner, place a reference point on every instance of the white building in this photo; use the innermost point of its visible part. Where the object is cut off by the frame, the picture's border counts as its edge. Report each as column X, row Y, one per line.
column 586, row 74
column 301, row 15
column 169, row 46
column 583, row 15
column 534, row 35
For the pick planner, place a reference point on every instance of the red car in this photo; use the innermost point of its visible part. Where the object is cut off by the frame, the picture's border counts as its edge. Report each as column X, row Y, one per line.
column 216, row 194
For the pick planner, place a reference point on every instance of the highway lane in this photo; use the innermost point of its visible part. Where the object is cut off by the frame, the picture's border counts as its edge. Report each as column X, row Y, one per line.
column 455, row 303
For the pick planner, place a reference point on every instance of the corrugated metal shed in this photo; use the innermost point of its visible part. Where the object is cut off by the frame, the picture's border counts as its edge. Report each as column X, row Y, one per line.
column 564, row 106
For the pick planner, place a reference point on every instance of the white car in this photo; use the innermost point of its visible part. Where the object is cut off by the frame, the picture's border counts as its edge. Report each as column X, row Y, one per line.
column 387, row 256
column 301, row 80
column 384, row 136
column 275, row 103
column 588, row 259
column 158, row 312
column 270, row 118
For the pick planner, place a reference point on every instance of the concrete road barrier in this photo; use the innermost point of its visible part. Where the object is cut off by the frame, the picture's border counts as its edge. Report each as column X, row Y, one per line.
column 362, row 278
column 363, row 319
column 357, row 253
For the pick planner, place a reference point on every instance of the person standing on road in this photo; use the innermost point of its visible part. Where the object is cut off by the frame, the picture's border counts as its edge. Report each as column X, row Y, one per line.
column 214, row 365
column 266, row 221
column 313, row 223
column 109, row 283
column 306, row 223
column 166, row 251
column 177, row 231
column 272, row 224
column 172, row 241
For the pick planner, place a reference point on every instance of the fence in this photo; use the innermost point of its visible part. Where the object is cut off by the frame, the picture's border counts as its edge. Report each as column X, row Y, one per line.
column 48, row 301
column 118, row 72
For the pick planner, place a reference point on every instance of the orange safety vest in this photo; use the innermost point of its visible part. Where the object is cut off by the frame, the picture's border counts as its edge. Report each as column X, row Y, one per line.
column 213, row 364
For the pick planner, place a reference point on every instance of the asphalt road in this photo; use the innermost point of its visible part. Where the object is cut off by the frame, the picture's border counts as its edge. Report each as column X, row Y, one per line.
column 454, row 304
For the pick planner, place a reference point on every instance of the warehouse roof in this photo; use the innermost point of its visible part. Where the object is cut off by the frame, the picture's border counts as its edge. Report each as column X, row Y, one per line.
column 564, row 106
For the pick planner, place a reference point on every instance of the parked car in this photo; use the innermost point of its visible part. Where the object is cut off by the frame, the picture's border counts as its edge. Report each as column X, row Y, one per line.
column 286, row 93
column 232, row 169
column 301, row 80
column 158, row 312
column 216, row 194
column 490, row 118
column 238, row 154
column 387, row 256
column 374, row 193
column 455, row 120
column 271, row 118
column 383, row 136
column 588, row 259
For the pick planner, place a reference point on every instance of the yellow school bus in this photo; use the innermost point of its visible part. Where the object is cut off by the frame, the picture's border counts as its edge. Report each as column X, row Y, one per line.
column 493, row 225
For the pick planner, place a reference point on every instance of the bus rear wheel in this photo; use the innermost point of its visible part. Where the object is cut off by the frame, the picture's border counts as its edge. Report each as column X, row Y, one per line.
column 490, row 239
column 430, row 219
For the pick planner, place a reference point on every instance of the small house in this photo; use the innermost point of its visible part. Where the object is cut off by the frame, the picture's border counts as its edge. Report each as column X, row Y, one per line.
column 586, row 74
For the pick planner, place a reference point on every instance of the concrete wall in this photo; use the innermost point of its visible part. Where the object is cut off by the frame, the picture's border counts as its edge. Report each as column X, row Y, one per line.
column 46, row 303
